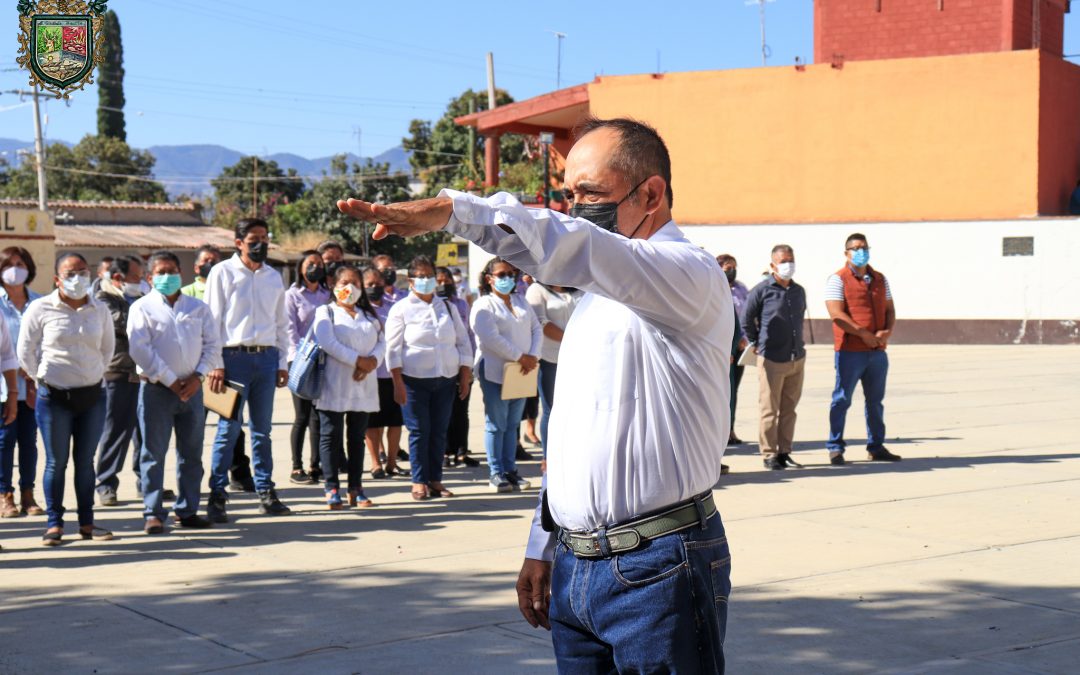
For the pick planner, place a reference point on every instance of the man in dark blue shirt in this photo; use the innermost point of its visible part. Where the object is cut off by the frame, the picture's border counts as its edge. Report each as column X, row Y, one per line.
column 773, row 322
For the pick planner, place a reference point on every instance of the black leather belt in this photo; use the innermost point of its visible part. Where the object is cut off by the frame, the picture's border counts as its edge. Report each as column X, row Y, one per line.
column 625, row 537
column 257, row 349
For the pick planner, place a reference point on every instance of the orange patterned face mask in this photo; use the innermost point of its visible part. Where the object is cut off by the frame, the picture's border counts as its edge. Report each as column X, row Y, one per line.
column 347, row 294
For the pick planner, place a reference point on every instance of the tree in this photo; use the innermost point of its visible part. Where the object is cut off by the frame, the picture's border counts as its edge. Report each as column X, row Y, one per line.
column 110, row 114
column 440, row 152
column 99, row 168
column 317, row 209
column 236, row 186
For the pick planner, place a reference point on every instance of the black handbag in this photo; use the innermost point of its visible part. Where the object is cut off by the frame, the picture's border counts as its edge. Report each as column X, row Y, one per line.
column 78, row 399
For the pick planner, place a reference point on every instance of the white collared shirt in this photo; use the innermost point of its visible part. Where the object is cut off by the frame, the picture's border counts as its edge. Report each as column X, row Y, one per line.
column 169, row 342
column 641, row 401
column 249, row 306
column 344, row 339
column 503, row 335
column 555, row 308
column 426, row 339
column 64, row 347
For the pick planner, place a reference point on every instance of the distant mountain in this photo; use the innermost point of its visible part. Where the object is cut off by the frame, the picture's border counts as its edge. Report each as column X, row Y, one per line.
column 189, row 168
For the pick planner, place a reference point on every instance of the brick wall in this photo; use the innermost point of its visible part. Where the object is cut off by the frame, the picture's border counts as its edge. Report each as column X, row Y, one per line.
column 883, row 29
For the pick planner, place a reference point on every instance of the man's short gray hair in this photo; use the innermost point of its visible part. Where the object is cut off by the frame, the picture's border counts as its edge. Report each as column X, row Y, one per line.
column 782, row 248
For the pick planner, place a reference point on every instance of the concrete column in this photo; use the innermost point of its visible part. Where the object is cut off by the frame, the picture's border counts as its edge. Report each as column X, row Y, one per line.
column 491, row 159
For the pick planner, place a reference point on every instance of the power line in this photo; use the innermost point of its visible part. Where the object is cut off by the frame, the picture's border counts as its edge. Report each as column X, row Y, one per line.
column 244, row 179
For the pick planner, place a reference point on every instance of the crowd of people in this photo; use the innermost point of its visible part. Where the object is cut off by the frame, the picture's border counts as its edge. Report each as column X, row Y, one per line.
column 120, row 361
column 769, row 322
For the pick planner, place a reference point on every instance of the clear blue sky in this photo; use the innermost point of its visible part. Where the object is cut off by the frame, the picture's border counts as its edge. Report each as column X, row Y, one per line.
column 282, row 76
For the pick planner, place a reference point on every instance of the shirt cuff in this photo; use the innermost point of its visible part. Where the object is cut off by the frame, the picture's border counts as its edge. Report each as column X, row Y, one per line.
column 541, row 544
column 471, row 214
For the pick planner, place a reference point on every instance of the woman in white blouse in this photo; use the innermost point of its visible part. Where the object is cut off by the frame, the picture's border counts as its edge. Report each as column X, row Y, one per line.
column 506, row 331
column 553, row 306
column 350, row 334
column 430, row 358
column 65, row 343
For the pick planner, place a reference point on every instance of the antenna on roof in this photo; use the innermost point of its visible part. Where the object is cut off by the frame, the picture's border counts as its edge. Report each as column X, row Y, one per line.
column 765, row 51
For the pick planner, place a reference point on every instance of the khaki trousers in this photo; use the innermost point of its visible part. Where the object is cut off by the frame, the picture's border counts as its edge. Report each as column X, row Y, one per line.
column 779, row 393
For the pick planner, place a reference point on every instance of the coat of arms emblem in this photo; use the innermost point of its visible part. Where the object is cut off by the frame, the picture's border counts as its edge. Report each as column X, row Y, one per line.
column 60, row 42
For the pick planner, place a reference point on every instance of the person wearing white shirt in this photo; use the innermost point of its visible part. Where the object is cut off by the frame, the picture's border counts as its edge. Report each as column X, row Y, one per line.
column 428, row 353
column 65, row 344
column 247, row 299
column 175, row 342
column 642, row 391
column 350, row 334
column 506, row 331
column 553, row 306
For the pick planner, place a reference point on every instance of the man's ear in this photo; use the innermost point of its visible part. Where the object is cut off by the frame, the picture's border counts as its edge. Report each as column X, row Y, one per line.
column 656, row 193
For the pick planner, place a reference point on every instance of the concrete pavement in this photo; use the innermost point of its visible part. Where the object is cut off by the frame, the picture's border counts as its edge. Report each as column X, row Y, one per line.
column 963, row 558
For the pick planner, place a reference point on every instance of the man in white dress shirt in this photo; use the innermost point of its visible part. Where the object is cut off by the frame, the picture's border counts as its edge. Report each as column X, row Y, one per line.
column 247, row 299
column 642, row 574
column 175, row 342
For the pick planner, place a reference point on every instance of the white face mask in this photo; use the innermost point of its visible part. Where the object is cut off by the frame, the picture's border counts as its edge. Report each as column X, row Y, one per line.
column 76, row 287
column 15, row 276
column 785, row 270
column 133, row 290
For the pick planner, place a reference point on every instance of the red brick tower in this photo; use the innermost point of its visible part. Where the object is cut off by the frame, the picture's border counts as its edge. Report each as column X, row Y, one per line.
column 854, row 30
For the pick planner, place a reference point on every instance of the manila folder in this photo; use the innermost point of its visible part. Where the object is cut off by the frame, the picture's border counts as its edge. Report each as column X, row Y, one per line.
column 227, row 403
column 516, row 385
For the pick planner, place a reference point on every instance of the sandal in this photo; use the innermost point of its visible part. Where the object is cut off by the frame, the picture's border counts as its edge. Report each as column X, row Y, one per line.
column 96, row 533
column 438, row 490
column 359, row 499
column 52, row 538
column 378, row 474
column 392, row 471
column 333, row 500
column 421, row 494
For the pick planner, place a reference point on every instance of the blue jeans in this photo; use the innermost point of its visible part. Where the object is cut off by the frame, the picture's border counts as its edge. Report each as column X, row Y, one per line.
column 501, row 422
column 160, row 412
column 66, row 435
column 258, row 374
column 23, row 431
column 428, row 404
column 659, row 609
column 871, row 368
column 547, row 397
column 335, row 442
column 121, row 404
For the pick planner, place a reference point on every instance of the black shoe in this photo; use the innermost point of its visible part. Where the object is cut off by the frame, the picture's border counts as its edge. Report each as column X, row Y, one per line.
column 448, row 461
column 517, row 482
column 773, row 464
column 215, row 506
column 468, row 461
column 882, row 455
column 521, row 455
column 271, row 505
column 300, row 477
column 837, row 460
column 498, row 483
column 402, row 456
column 244, row 484
column 194, row 521
column 168, row 495
column 316, row 475
column 786, row 460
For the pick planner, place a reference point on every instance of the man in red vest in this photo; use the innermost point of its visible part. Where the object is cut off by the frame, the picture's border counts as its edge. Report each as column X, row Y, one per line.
column 860, row 305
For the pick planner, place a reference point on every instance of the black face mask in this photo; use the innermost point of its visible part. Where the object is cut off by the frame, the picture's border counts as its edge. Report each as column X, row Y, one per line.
column 730, row 275
column 375, row 293
column 389, row 276
column 258, row 251
column 204, row 269
column 315, row 274
column 332, row 268
column 605, row 215
column 445, row 290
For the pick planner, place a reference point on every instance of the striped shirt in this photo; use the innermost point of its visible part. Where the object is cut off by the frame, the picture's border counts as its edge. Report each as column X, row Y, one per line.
column 834, row 287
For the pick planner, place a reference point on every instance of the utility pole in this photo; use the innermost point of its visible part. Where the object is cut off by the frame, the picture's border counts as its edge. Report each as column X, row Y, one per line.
column 491, row 80
column 765, row 51
column 39, row 152
column 358, row 132
column 558, row 57
column 472, row 136
column 255, row 189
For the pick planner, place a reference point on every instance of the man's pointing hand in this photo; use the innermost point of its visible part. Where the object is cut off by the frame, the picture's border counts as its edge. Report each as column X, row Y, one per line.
column 405, row 219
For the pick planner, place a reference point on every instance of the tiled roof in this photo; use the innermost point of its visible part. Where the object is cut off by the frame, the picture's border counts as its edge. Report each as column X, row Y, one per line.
column 76, row 204
column 142, row 236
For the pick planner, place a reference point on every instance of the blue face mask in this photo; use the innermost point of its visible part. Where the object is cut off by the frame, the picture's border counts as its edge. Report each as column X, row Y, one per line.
column 167, row 284
column 859, row 257
column 505, row 285
column 424, row 285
